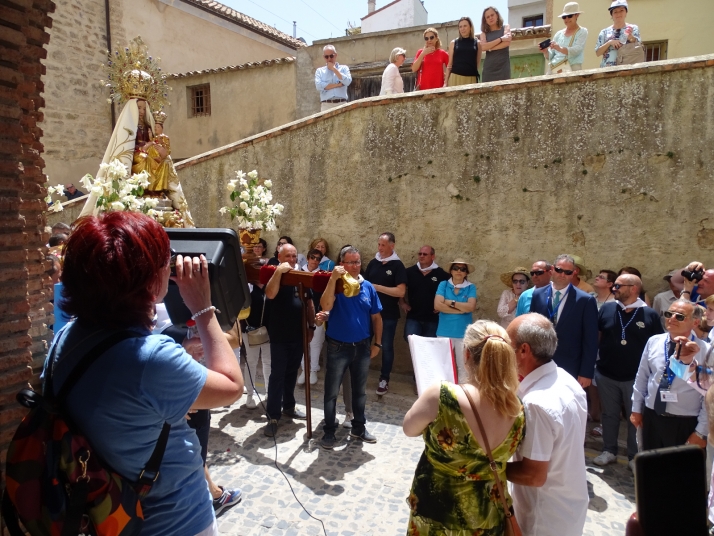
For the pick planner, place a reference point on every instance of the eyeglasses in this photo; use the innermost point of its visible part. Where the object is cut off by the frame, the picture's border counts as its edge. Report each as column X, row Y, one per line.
column 429, row 38
column 567, row 17
column 617, row 286
column 314, row 258
column 459, row 268
column 537, row 272
column 424, row 254
column 561, row 271
column 329, row 56
column 281, row 243
column 520, row 281
column 351, row 263
column 678, row 316
column 600, row 276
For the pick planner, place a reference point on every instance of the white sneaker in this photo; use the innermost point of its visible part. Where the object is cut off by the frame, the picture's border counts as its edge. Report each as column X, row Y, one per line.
column 250, row 402
column 605, row 458
column 313, row 377
column 631, row 466
column 301, row 378
column 347, row 423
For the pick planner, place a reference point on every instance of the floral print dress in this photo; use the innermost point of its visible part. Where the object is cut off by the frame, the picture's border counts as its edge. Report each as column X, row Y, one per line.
column 454, row 492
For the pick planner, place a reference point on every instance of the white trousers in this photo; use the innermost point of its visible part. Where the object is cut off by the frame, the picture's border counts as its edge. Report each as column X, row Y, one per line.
column 253, row 354
column 318, row 339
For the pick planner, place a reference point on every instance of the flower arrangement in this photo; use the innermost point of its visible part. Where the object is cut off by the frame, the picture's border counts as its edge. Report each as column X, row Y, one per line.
column 55, row 206
column 117, row 191
column 251, row 199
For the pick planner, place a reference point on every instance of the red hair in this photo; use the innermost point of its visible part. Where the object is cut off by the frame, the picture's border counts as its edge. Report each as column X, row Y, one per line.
column 112, row 269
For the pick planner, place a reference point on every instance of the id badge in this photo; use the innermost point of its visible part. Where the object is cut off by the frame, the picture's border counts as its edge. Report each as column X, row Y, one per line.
column 668, row 396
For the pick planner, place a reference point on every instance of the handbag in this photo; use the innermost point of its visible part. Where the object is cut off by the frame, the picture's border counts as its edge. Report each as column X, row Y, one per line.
column 564, row 65
column 630, row 53
column 259, row 335
column 511, row 527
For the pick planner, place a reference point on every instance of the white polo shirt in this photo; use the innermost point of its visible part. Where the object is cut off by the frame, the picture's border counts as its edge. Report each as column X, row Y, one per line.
column 556, row 415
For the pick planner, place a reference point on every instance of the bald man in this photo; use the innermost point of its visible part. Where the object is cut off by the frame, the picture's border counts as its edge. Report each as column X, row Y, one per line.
column 625, row 326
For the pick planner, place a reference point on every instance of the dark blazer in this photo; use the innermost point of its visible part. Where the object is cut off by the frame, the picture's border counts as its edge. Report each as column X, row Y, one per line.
column 576, row 328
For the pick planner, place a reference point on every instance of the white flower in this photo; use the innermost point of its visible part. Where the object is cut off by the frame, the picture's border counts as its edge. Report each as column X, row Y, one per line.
column 56, row 207
column 97, row 189
column 240, row 174
column 142, row 179
column 253, row 174
column 86, row 181
column 117, row 206
column 244, row 195
column 243, row 183
column 243, row 205
column 278, row 208
column 268, row 184
column 223, row 210
column 231, row 186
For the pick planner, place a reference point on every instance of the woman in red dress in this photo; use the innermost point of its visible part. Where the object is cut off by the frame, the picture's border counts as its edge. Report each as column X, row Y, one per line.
column 430, row 62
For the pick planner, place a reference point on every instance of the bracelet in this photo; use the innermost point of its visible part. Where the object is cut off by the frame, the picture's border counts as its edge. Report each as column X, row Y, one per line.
column 207, row 309
column 688, row 292
column 378, row 345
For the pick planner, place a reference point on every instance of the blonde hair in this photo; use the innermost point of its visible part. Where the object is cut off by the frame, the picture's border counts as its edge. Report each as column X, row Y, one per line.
column 316, row 242
column 471, row 25
column 709, row 300
column 492, row 367
column 397, row 52
column 437, row 41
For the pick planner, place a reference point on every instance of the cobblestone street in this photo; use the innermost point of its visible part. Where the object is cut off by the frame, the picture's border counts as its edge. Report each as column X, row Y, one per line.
column 357, row 489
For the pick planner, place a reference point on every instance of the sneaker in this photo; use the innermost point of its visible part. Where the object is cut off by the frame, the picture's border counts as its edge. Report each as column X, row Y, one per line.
column 301, row 378
column 631, row 466
column 328, row 441
column 228, row 498
column 347, row 423
column 271, row 428
column 250, row 402
column 383, row 387
column 295, row 413
column 313, row 377
column 364, row 436
column 605, row 458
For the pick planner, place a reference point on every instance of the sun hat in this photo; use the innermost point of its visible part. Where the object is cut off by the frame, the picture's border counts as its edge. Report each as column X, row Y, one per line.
column 676, row 278
column 507, row 277
column 618, row 3
column 585, row 273
column 459, row 260
column 571, row 8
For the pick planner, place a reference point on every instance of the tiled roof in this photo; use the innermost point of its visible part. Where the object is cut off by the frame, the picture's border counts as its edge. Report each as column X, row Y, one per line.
column 239, row 18
column 531, row 31
column 229, row 68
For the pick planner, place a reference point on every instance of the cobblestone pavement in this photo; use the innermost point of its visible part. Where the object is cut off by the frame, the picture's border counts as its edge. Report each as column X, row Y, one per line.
column 358, row 488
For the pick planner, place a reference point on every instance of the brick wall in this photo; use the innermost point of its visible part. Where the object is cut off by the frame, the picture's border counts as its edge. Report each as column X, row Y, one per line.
column 24, row 287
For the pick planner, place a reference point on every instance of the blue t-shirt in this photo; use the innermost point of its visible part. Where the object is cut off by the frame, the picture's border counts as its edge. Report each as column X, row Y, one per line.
column 351, row 318
column 524, row 302
column 326, row 264
column 454, row 325
column 121, row 403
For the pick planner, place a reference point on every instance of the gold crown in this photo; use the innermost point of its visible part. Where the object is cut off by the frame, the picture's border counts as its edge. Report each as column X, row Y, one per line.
column 159, row 117
column 133, row 74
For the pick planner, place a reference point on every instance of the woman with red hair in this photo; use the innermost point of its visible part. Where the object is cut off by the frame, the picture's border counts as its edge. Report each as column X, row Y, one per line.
column 116, row 267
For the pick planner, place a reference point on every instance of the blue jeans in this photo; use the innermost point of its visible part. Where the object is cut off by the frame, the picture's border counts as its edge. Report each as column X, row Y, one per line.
column 417, row 327
column 340, row 357
column 284, row 364
column 389, row 329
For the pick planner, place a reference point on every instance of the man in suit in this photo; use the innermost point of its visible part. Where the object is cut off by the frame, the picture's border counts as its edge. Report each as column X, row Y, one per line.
column 574, row 315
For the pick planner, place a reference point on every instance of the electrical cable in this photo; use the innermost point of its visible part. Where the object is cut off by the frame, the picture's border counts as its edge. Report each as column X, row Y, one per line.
column 275, row 442
column 320, row 14
column 282, row 19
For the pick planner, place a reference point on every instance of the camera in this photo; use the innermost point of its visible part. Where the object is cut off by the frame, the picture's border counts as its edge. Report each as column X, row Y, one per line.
column 544, row 44
column 693, row 275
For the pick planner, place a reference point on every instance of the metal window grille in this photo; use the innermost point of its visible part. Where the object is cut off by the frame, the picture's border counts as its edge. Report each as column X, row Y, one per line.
column 655, row 50
column 536, row 20
column 200, row 100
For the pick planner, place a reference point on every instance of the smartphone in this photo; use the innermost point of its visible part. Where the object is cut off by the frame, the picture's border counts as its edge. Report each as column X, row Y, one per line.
column 671, row 491
column 544, row 44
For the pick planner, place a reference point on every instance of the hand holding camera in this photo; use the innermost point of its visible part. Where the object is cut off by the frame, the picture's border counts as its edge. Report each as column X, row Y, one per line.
column 692, row 274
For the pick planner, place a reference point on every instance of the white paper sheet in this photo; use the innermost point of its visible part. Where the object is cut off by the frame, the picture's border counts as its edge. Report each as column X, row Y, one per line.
column 433, row 360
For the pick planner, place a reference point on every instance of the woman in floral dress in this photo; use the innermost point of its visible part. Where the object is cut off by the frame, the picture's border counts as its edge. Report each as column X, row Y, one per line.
column 454, row 491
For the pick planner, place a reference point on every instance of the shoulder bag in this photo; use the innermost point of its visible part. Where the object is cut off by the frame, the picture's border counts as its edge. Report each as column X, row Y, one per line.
column 511, row 527
column 259, row 335
column 563, row 66
column 630, row 53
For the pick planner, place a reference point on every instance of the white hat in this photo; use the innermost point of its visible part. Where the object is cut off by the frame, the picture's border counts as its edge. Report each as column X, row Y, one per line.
column 618, row 3
column 571, row 8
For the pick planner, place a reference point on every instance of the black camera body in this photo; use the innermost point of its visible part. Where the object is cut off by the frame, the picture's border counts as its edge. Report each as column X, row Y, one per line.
column 544, row 44
column 693, row 275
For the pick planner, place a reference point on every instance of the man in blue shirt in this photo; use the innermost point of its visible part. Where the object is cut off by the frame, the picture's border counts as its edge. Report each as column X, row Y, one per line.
column 540, row 275
column 332, row 80
column 352, row 322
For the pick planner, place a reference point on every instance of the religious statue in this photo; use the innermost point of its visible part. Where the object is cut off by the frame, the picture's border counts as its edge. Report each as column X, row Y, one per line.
column 136, row 81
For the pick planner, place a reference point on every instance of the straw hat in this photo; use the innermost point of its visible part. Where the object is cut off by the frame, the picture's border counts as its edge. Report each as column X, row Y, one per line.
column 571, row 8
column 585, row 273
column 676, row 278
column 459, row 260
column 507, row 277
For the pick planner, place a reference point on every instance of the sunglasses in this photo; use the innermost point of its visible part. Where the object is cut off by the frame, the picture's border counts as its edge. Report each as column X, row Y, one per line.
column 314, row 258
column 329, row 56
column 617, row 286
column 520, row 281
column 561, row 271
column 567, row 17
column 429, row 38
column 460, row 269
column 537, row 272
column 678, row 316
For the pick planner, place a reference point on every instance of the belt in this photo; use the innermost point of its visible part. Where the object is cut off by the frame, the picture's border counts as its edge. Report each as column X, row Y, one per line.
column 358, row 343
column 335, row 100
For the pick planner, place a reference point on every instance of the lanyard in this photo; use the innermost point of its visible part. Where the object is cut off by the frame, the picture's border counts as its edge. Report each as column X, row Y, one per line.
column 623, row 340
column 667, row 370
column 553, row 314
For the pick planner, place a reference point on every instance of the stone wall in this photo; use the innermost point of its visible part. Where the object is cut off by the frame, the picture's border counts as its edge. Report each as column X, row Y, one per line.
column 613, row 165
column 24, row 287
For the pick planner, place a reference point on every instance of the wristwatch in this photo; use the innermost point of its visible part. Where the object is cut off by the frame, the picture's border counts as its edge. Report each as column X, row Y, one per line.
column 453, row 304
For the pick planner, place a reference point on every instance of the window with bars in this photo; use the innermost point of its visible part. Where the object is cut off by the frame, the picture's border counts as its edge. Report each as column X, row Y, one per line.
column 199, row 100
column 536, row 20
column 655, row 50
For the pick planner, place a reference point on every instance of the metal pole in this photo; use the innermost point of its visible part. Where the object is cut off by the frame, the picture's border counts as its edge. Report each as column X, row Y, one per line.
column 306, row 366
column 294, row 29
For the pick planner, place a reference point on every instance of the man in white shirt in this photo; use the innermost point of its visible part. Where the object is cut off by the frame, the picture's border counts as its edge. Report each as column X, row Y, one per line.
column 549, row 490
column 332, row 80
column 663, row 300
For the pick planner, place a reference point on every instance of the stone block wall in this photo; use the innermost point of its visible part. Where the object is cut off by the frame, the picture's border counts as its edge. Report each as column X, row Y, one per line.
column 24, row 286
column 614, row 165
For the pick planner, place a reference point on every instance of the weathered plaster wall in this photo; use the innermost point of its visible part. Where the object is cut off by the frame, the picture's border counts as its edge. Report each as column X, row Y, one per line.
column 603, row 164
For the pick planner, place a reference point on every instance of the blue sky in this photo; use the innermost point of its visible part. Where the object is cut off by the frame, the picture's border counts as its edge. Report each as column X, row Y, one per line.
column 322, row 20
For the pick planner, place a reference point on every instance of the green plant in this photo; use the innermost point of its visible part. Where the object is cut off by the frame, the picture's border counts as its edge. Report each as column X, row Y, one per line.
column 585, row 172
column 670, row 154
column 516, row 139
column 477, row 179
